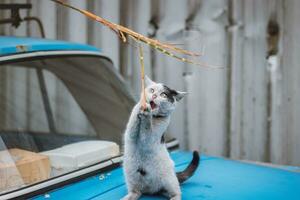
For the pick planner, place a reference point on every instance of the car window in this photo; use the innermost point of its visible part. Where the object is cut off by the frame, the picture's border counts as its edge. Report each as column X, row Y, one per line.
column 58, row 115
column 21, row 109
column 66, row 111
column 23, row 104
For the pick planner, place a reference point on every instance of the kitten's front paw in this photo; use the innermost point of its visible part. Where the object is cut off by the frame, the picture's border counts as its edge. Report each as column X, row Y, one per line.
column 146, row 111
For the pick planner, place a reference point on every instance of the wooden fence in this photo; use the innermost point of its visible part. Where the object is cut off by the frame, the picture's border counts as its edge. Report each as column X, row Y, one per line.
column 250, row 110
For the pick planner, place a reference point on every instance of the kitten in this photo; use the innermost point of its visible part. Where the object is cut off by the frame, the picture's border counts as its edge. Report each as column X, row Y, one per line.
column 148, row 168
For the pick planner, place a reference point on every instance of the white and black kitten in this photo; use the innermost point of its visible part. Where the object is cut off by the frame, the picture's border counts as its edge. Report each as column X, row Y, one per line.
column 148, row 168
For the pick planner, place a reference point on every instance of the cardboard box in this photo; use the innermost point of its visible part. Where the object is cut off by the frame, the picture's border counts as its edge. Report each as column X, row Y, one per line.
column 19, row 167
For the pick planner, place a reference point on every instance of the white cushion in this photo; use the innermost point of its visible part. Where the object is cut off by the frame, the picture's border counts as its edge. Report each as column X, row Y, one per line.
column 81, row 154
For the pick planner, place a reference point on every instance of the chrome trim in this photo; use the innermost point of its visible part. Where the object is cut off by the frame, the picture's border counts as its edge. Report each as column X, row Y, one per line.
column 50, row 53
column 117, row 159
column 172, row 144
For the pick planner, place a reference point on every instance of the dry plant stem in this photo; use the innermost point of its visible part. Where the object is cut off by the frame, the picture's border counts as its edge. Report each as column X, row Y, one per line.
column 122, row 32
column 144, row 106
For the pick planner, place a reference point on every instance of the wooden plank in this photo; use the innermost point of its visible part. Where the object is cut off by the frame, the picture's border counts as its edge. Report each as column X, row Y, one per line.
column 124, row 48
column 130, row 54
column 169, row 70
column 46, row 12
column 236, row 83
column 249, row 81
column 290, row 82
column 207, row 88
column 61, row 22
column 77, row 23
column 103, row 37
column 255, row 80
column 278, row 134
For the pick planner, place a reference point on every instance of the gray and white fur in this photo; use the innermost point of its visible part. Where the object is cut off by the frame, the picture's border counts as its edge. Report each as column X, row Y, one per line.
column 148, row 168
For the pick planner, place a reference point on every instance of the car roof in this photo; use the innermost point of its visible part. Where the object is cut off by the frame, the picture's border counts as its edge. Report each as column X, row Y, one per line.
column 15, row 45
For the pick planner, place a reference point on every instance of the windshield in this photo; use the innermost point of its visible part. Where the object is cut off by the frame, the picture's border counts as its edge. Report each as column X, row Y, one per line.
column 52, row 109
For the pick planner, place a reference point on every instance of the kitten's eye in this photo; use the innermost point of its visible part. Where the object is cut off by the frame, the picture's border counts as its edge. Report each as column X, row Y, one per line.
column 163, row 95
column 151, row 90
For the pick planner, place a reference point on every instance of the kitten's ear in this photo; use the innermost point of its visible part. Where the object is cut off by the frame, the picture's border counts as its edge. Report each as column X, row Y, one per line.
column 148, row 81
column 180, row 95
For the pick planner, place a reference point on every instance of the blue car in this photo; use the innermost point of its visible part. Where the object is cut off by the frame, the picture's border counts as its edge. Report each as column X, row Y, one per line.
column 46, row 153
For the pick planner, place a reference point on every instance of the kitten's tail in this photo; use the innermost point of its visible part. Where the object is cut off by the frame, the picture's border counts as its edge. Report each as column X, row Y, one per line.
column 191, row 168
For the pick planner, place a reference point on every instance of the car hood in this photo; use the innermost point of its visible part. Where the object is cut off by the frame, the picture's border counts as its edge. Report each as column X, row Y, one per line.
column 215, row 178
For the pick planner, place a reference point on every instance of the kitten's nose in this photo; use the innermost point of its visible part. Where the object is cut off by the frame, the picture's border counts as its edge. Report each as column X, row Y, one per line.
column 154, row 96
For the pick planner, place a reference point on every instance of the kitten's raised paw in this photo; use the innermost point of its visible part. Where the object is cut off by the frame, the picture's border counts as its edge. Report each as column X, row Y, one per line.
column 145, row 111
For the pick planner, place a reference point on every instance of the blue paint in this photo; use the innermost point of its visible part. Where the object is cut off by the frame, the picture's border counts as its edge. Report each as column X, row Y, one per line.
column 15, row 45
column 216, row 178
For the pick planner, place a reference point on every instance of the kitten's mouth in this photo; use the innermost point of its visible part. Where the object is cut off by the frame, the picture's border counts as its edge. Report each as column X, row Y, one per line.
column 153, row 105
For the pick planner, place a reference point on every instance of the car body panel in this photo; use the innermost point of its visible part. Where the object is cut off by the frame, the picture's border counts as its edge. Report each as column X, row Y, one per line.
column 16, row 45
column 216, row 178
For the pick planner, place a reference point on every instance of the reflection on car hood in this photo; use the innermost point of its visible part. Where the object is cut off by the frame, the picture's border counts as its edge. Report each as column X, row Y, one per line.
column 216, row 178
